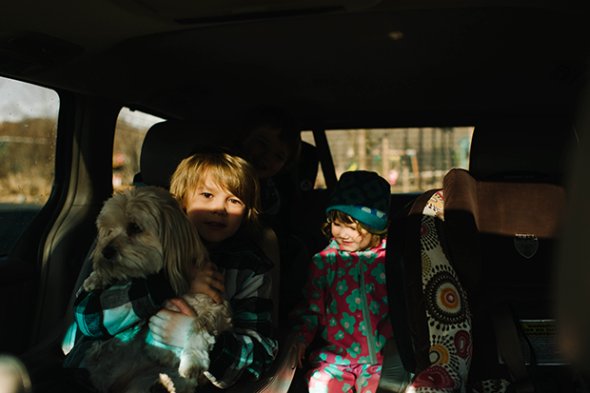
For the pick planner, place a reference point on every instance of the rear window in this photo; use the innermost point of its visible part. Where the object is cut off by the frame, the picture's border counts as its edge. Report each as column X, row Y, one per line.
column 411, row 159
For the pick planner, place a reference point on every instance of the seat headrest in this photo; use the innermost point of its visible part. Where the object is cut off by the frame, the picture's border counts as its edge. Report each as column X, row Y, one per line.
column 308, row 165
column 169, row 142
column 521, row 149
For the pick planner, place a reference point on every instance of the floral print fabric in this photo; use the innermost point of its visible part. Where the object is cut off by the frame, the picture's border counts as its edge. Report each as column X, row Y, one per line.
column 331, row 378
column 447, row 312
column 346, row 302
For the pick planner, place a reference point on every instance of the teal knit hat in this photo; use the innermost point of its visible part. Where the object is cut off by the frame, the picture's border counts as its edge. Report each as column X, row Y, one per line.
column 364, row 196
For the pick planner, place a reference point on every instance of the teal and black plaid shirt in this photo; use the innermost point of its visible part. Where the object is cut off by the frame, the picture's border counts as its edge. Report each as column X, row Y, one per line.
column 121, row 310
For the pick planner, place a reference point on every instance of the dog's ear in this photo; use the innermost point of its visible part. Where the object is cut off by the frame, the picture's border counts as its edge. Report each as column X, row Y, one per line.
column 182, row 246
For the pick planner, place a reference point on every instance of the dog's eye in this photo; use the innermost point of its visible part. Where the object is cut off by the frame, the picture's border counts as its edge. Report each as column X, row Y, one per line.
column 133, row 229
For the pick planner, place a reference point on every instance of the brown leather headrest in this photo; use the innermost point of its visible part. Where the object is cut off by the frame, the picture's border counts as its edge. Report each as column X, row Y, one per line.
column 524, row 212
column 506, row 208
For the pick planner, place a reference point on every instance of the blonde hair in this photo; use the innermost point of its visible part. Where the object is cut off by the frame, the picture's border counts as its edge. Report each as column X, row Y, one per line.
column 334, row 215
column 229, row 172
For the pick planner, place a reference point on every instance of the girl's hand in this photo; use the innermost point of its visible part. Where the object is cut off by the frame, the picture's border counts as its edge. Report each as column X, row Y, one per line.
column 209, row 281
column 298, row 355
column 173, row 327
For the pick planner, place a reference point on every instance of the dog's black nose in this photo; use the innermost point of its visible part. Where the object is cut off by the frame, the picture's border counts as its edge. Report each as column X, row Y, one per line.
column 109, row 252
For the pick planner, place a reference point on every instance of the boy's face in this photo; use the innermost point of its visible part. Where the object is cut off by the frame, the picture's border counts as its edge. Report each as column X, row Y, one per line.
column 349, row 236
column 214, row 211
column 265, row 150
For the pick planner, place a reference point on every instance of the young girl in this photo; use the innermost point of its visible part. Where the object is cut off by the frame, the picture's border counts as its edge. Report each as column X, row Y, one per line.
column 345, row 296
column 219, row 192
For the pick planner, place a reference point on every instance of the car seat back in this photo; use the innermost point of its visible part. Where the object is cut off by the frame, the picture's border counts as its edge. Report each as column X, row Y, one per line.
column 497, row 229
column 502, row 221
column 500, row 238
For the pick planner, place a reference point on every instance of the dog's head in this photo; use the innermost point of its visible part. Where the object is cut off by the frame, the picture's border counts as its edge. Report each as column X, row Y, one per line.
column 142, row 231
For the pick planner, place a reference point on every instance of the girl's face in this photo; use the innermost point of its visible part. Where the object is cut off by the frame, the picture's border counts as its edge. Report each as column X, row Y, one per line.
column 349, row 236
column 214, row 211
column 265, row 150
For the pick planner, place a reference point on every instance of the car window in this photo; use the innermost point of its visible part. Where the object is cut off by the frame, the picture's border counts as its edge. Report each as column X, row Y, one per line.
column 129, row 135
column 416, row 160
column 28, row 124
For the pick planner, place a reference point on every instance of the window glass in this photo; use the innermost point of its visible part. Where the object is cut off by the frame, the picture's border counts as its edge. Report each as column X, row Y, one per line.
column 412, row 159
column 28, row 124
column 129, row 135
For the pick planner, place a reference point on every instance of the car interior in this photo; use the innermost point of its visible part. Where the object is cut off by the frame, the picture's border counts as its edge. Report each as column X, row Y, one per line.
column 383, row 73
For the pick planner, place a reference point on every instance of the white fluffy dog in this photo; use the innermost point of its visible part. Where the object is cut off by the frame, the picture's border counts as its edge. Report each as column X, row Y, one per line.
column 142, row 231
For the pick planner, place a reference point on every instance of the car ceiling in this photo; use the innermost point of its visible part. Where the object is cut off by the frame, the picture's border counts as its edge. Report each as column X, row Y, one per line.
column 343, row 62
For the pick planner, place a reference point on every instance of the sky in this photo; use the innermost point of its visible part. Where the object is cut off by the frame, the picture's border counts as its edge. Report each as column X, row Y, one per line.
column 20, row 100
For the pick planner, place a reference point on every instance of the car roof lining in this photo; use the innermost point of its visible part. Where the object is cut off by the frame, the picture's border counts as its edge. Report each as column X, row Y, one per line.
column 337, row 68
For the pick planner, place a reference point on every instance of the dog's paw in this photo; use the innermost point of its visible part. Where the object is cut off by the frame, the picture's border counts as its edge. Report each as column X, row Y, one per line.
column 92, row 282
column 195, row 356
column 164, row 384
column 188, row 370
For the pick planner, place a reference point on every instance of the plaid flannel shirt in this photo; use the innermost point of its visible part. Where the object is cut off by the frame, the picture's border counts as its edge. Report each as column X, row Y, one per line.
column 248, row 348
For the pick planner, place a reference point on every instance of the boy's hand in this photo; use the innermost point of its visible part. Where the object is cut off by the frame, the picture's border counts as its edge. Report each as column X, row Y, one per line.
column 180, row 305
column 173, row 327
column 209, row 281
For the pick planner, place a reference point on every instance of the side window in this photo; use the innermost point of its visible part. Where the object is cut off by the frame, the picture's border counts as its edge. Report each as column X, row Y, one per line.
column 129, row 135
column 412, row 159
column 28, row 124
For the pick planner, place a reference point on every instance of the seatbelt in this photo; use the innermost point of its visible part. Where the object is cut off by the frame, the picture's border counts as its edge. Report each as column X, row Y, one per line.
column 510, row 349
column 326, row 161
column 394, row 377
column 399, row 355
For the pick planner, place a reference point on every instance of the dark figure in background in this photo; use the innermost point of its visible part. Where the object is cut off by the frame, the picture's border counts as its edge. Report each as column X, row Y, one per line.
column 271, row 143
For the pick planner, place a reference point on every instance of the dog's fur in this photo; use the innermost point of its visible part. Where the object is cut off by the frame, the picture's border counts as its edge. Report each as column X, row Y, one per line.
column 142, row 231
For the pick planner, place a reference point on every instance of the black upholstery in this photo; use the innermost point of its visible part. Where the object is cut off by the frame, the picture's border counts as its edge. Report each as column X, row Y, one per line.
column 521, row 149
column 168, row 142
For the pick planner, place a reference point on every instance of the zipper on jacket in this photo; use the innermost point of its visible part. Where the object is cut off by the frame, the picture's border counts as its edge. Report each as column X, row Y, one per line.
column 366, row 316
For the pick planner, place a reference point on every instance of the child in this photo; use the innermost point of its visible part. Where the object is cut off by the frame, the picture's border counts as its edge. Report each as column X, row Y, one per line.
column 219, row 192
column 271, row 141
column 345, row 295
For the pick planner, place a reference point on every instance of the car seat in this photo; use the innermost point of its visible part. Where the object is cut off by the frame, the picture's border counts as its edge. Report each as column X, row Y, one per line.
column 496, row 224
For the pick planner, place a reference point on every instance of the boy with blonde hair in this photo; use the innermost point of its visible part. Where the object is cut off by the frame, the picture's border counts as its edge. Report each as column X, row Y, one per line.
column 219, row 193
